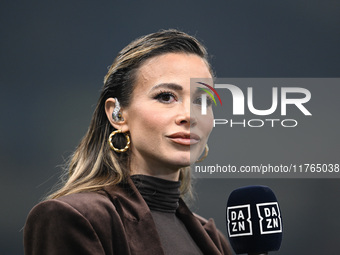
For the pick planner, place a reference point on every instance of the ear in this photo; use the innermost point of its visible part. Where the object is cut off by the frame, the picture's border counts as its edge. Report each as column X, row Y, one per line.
column 110, row 105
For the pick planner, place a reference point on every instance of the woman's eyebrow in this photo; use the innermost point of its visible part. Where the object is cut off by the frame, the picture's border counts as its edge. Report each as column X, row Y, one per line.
column 172, row 86
column 201, row 90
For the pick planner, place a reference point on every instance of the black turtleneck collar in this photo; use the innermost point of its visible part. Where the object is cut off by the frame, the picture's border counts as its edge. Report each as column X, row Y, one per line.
column 159, row 194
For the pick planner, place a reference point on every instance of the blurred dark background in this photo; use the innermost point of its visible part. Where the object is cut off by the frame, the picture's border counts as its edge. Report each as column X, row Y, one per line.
column 54, row 55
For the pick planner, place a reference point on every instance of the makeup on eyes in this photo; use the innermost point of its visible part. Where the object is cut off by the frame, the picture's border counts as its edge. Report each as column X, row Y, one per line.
column 168, row 90
column 198, row 95
column 164, row 96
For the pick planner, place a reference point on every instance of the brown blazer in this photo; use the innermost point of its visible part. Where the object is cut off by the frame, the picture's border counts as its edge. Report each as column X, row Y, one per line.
column 115, row 220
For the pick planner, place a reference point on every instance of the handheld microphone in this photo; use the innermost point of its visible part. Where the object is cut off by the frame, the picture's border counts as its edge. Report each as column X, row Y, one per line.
column 254, row 220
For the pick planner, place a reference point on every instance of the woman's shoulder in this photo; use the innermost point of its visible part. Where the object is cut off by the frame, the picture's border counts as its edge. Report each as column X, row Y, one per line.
column 80, row 223
column 88, row 205
column 88, row 202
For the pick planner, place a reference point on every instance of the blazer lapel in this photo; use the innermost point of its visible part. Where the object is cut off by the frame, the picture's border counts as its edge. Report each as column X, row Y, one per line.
column 140, row 229
column 206, row 242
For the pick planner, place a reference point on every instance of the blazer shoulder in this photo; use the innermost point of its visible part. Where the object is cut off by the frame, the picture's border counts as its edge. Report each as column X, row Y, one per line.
column 95, row 207
column 90, row 204
column 73, row 224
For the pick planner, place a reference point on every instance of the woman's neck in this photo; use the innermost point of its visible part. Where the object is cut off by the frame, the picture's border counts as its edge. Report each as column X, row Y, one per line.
column 160, row 195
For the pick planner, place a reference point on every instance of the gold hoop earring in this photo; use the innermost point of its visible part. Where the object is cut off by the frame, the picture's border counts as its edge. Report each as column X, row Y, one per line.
column 206, row 151
column 127, row 141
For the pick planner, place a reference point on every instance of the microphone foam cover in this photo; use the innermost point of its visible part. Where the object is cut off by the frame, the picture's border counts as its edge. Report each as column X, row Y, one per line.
column 254, row 221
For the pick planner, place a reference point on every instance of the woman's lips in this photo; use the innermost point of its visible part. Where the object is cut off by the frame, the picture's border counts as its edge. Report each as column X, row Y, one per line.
column 184, row 138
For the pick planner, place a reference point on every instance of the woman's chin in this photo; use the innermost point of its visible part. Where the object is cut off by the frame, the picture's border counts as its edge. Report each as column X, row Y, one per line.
column 181, row 161
column 184, row 159
column 187, row 162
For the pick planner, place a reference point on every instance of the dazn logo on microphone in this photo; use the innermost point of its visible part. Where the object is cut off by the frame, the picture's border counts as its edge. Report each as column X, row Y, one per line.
column 240, row 219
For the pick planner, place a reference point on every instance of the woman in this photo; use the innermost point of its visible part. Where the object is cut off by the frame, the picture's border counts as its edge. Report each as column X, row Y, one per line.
column 128, row 174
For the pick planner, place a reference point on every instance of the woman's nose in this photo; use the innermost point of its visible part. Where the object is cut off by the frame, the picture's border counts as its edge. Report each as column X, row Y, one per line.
column 186, row 116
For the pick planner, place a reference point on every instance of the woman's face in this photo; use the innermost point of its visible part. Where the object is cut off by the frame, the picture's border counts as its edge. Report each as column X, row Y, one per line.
column 164, row 117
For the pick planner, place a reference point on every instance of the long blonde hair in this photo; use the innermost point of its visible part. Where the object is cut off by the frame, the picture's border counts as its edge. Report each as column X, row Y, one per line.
column 94, row 165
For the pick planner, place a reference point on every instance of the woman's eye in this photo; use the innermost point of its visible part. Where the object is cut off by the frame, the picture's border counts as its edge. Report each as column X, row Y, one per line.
column 198, row 100
column 209, row 101
column 166, row 97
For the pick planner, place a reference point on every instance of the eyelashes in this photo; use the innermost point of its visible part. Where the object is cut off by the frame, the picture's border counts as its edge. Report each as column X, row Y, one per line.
column 168, row 97
column 198, row 100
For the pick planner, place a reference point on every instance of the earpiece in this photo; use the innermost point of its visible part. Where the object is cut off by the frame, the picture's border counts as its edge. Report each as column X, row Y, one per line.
column 117, row 115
